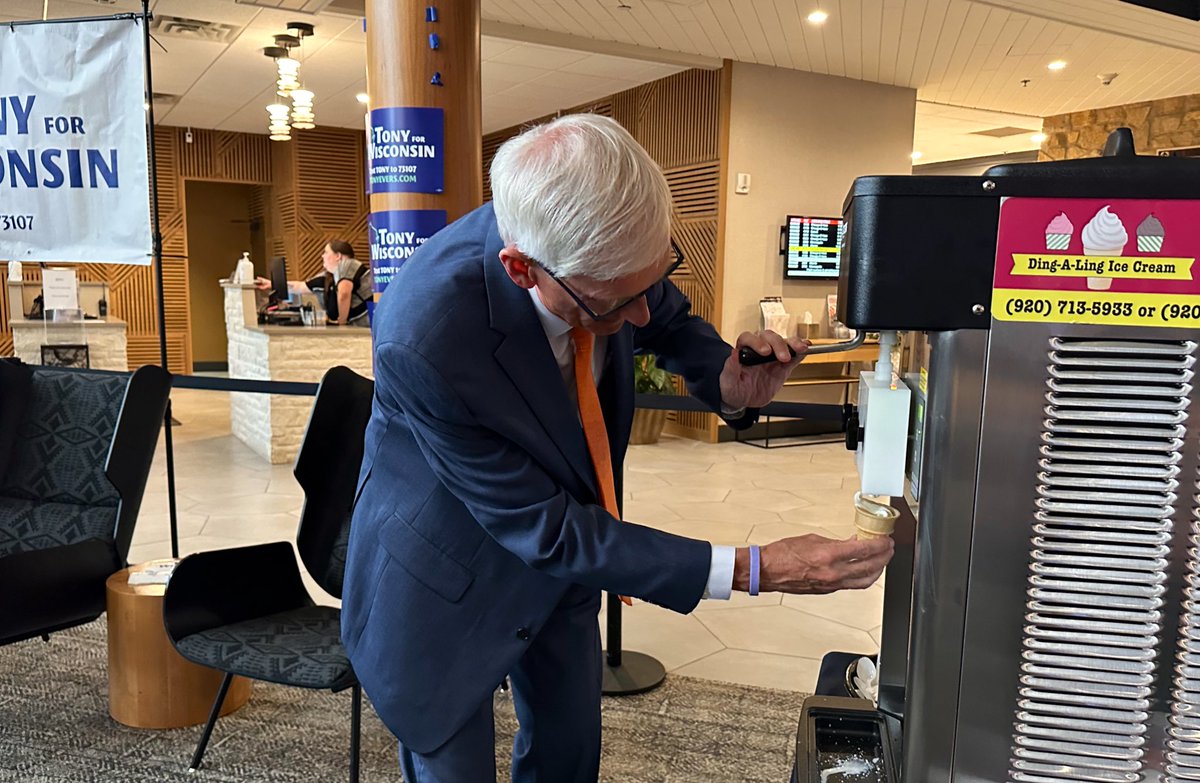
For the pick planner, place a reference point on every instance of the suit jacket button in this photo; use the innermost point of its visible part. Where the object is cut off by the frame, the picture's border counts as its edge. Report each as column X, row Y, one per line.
column 523, row 634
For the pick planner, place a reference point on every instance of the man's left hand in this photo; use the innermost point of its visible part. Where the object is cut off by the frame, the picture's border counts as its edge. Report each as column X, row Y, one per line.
column 754, row 387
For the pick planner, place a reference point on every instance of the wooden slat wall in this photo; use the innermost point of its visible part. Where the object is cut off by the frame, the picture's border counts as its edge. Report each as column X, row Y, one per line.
column 310, row 190
column 330, row 195
column 319, row 194
column 220, row 156
column 6, row 338
column 677, row 120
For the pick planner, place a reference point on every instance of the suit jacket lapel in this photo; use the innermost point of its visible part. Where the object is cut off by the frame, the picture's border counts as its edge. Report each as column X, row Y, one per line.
column 526, row 358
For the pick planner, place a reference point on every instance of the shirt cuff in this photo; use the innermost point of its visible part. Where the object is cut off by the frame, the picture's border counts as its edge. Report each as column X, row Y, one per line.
column 720, row 573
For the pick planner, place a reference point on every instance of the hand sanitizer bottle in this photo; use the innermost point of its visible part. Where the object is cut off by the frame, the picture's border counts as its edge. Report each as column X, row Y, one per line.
column 245, row 269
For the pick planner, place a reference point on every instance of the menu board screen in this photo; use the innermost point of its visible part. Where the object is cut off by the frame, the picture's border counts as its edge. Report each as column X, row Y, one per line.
column 813, row 247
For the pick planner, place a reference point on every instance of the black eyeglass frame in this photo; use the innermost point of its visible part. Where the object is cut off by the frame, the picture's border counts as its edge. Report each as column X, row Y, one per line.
column 609, row 313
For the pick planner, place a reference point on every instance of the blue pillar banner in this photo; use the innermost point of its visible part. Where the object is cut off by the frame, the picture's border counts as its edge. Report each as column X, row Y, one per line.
column 405, row 150
column 396, row 235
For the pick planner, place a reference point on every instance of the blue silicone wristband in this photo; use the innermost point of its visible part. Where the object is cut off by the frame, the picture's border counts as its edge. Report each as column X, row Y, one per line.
column 754, row 565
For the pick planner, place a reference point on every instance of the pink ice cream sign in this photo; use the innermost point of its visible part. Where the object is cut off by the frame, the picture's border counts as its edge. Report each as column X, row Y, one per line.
column 1076, row 260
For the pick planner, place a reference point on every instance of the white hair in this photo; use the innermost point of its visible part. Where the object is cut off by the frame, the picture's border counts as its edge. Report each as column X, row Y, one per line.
column 581, row 197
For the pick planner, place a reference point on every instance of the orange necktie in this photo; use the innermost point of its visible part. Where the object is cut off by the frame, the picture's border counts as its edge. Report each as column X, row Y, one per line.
column 592, row 417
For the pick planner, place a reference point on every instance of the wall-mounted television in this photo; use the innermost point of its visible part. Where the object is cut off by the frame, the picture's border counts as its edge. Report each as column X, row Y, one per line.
column 811, row 247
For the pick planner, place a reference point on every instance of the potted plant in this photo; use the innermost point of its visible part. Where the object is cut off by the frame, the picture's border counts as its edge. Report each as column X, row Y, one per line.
column 649, row 378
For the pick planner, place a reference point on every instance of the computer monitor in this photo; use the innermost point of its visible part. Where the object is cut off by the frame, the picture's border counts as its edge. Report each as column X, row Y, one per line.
column 279, row 280
column 811, row 247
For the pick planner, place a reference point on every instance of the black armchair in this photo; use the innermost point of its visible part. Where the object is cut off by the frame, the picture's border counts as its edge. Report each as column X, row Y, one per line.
column 245, row 611
column 75, row 453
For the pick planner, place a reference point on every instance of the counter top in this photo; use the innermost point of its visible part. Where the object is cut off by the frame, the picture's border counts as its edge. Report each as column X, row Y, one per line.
column 272, row 330
column 100, row 323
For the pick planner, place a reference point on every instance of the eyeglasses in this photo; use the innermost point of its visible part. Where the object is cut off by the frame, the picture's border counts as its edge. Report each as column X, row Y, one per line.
column 625, row 302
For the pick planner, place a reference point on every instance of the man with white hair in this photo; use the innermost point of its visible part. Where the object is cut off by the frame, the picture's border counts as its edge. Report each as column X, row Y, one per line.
column 486, row 525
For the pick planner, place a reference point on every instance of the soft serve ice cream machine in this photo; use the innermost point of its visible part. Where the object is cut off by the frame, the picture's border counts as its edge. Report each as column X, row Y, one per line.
column 1042, row 613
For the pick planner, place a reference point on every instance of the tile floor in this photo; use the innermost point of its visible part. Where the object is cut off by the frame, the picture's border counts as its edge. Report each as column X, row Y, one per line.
column 727, row 493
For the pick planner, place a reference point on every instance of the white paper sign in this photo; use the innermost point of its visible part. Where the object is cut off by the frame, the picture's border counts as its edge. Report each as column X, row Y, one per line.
column 59, row 289
column 73, row 158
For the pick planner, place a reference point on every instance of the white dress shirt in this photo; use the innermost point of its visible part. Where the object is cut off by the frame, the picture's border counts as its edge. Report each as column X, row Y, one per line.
column 558, row 334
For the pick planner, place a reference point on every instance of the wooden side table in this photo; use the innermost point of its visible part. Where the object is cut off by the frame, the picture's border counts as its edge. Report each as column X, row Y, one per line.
column 150, row 686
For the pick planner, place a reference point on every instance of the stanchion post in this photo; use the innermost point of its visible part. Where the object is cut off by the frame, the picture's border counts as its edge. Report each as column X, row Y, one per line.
column 625, row 672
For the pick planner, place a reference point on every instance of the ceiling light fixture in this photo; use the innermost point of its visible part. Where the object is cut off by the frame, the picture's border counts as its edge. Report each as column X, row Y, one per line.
column 362, row 97
column 818, row 16
column 1057, row 65
column 917, row 155
column 278, row 125
column 302, row 110
column 288, row 85
column 1038, row 138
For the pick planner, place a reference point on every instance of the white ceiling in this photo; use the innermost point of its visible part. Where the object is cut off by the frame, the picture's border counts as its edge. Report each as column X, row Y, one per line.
column 965, row 58
column 944, row 132
column 227, row 86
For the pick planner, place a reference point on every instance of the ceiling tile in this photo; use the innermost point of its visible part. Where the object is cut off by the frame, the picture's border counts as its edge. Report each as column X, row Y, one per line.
column 517, row 74
column 538, row 56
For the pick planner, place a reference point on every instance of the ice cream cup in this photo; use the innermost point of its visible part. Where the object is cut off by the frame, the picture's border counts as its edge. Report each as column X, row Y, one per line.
column 1100, row 283
column 873, row 519
column 1058, row 241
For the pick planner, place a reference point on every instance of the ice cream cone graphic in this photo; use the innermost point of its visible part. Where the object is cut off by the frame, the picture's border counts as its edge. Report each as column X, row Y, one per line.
column 1150, row 235
column 1058, row 232
column 1104, row 235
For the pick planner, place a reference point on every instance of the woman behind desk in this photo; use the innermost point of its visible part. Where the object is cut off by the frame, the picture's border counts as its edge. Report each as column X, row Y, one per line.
column 346, row 287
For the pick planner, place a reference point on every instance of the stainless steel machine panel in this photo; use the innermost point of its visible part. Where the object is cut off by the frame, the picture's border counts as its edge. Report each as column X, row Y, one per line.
column 953, row 418
column 1076, row 564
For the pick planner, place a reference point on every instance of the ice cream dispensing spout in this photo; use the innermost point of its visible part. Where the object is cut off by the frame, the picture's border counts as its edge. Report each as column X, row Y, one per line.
column 884, row 409
column 883, row 368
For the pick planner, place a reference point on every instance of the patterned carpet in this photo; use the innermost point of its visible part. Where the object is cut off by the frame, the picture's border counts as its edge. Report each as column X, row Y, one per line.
column 55, row 728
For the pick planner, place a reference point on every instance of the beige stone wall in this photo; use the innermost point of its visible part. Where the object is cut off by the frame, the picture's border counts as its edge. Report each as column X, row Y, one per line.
column 1170, row 122
column 273, row 425
column 106, row 344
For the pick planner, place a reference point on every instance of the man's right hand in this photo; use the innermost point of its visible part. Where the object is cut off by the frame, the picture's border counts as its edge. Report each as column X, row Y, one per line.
column 815, row 564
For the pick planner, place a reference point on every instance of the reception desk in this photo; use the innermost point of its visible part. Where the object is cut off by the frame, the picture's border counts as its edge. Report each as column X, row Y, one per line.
column 105, row 340
column 273, row 424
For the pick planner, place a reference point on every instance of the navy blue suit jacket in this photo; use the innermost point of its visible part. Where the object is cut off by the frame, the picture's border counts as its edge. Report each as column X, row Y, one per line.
column 477, row 500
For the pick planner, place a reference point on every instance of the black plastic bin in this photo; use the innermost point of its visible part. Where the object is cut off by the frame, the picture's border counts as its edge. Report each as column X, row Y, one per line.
column 844, row 740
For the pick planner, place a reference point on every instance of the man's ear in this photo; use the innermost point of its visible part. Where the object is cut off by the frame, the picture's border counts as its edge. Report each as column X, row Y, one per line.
column 518, row 267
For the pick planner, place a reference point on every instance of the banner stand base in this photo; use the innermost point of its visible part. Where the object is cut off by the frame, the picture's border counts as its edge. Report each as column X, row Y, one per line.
column 637, row 673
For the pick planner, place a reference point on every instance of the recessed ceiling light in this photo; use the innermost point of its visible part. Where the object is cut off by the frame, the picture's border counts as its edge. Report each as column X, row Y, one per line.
column 916, row 155
column 1057, row 65
column 362, row 97
column 818, row 16
column 1038, row 138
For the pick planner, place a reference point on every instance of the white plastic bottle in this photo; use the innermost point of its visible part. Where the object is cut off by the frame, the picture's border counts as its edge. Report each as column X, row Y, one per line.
column 245, row 269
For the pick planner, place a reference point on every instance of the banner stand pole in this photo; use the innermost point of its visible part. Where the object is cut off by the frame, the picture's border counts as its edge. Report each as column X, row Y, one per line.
column 158, row 274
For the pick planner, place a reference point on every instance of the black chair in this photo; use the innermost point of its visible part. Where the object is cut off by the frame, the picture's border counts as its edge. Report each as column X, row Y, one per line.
column 245, row 611
column 75, row 451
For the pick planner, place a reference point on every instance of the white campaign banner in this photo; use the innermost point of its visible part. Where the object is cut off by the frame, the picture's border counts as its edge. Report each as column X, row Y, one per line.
column 73, row 169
